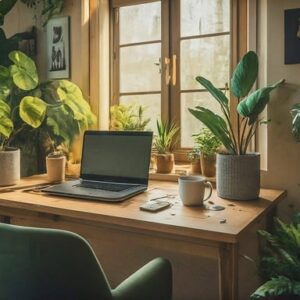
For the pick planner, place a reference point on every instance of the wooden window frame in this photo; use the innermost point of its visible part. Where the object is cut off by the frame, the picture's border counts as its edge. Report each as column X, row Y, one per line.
column 238, row 47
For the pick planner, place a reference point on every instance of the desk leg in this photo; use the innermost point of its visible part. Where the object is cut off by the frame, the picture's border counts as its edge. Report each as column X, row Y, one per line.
column 228, row 272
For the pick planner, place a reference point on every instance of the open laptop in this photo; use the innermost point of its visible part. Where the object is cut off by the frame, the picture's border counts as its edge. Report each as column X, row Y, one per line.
column 114, row 167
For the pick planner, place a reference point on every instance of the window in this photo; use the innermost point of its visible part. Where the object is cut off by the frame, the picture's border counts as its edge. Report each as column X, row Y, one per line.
column 159, row 47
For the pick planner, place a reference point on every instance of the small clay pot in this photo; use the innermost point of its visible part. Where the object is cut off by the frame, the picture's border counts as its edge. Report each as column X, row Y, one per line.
column 208, row 165
column 164, row 163
column 56, row 166
column 196, row 167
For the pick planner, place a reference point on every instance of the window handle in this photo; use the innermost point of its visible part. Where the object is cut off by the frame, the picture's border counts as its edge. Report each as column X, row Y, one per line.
column 167, row 70
column 174, row 70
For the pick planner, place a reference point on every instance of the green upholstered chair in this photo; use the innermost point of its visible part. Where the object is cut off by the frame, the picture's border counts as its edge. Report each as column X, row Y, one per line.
column 48, row 264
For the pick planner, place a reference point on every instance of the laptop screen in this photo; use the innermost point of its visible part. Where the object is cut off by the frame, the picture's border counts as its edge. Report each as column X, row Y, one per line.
column 116, row 156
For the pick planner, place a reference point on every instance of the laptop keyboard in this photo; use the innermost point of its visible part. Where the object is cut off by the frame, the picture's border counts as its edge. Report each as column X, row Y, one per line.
column 112, row 187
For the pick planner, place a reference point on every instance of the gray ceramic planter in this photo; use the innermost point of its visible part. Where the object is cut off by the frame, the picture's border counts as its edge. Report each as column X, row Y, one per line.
column 238, row 176
column 10, row 166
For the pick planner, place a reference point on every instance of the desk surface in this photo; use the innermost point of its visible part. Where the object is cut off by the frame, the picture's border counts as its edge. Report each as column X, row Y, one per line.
column 192, row 222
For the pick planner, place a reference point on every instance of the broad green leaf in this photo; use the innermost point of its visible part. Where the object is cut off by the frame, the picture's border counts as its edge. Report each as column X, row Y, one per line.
column 32, row 111
column 256, row 102
column 6, row 126
column 244, row 75
column 23, row 71
column 216, row 124
column 215, row 92
column 71, row 96
column 4, row 108
column 279, row 286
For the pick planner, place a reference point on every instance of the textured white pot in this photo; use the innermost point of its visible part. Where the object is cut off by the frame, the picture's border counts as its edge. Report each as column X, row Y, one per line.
column 10, row 166
column 238, row 176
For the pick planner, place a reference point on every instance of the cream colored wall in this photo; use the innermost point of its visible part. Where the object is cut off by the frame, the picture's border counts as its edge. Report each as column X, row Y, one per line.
column 283, row 153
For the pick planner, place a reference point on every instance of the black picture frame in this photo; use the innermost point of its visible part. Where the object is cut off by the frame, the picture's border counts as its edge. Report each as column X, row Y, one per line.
column 292, row 36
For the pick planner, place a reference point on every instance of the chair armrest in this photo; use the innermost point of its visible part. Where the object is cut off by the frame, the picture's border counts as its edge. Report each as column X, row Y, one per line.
column 153, row 281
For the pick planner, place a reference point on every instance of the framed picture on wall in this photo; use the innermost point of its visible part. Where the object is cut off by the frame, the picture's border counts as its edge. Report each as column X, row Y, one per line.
column 58, row 48
column 292, row 36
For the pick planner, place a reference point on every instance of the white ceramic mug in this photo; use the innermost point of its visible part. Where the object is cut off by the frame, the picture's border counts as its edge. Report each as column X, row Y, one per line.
column 192, row 190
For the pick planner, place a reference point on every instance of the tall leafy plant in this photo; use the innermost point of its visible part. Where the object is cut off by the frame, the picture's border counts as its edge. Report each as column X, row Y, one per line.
column 280, row 263
column 249, row 106
column 166, row 138
column 296, row 121
column 128, row 117
column 30, row 109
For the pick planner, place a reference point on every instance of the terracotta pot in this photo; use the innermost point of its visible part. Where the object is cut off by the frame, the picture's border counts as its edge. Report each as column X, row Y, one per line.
column 208, row 165
column 56, row 168
column 10, row 166
column 196, row 167
column 164, row 163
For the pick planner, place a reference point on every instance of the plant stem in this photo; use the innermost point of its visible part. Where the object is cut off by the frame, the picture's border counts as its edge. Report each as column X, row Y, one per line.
column 251, row 135
column 238, row 130
column 244, row 120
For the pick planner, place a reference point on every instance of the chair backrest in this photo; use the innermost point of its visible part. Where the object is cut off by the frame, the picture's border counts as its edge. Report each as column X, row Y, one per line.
column 47, row 264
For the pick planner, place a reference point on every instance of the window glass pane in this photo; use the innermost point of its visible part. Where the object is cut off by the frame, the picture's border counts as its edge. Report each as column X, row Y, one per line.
column 208, row 57
column 204, row 17
column 189, row 124
column 151, row 103
column 140, row 23
column 140, row 68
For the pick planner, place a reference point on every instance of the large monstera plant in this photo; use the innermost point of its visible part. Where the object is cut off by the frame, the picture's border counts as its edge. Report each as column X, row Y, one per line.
column 34, row 114
column 249, row 106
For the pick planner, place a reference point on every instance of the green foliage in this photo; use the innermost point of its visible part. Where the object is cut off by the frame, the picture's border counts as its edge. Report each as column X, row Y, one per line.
column 207, row 142
column 296, row 121
column 5, row 7
column 56, row 108
column 280, row 264
column 23, row 71
column 193, row 155
column 249, row 106
column 128, row 117
column 245, row 74
column 167, row 137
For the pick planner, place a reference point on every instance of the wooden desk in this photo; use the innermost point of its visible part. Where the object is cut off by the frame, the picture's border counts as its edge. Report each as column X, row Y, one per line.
column 124, row 237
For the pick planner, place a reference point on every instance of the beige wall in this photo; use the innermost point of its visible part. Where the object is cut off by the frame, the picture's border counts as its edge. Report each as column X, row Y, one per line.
column 283, row 153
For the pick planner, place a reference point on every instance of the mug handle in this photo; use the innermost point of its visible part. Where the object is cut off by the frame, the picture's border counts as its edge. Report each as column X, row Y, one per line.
column 208, row 184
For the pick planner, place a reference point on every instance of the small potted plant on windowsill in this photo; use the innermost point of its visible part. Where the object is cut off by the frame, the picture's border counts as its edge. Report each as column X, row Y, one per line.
column 164, row 144
column 279, row 266
column 194, row 157
column 208, row 145
column 238, row 172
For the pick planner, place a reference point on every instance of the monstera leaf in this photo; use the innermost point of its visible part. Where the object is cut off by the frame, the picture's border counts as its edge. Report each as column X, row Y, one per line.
column 23, row 71
column 6, row 124
column 296, row 121
column 244, row 75
column 256, row 102
column 32, row 111
column 72, row 97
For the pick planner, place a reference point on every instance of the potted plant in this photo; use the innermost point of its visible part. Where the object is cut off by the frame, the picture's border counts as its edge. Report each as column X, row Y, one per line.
column 164, row 144
column 208, row 145
column 279, row 266
column 56, row 166
column 128, row 117
column 194, row 157
column 238, row 172
column 295, row 111
column 41, row 112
